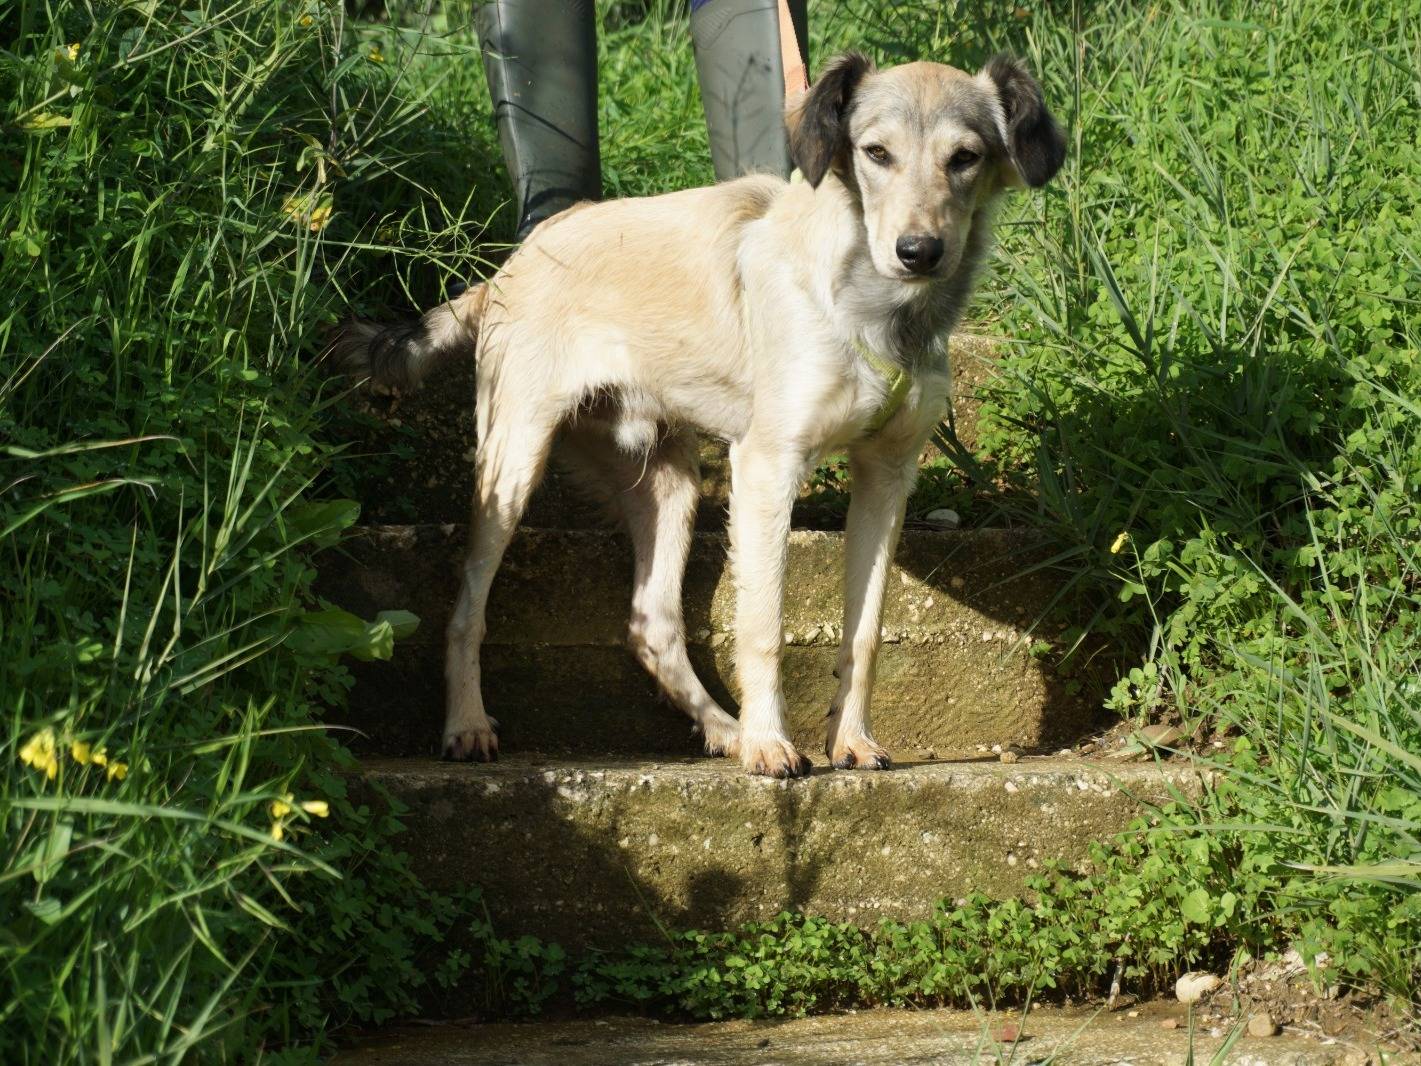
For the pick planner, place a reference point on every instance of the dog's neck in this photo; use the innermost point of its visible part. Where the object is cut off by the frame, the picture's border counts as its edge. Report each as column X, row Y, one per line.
column 907, row 323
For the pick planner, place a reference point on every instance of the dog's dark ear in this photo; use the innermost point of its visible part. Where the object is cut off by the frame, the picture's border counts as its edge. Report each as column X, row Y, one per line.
column 1034, row 142
column 818, row 132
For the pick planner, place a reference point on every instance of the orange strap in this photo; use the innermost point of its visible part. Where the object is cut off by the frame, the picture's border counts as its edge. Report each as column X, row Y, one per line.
column 796, row 77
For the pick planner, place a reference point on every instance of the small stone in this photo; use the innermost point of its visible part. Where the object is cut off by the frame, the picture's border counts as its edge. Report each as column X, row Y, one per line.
column 717, row 639
column 1009, row 756
column 956, row 583
column 943, row 518
column 1194, row 986
column 1169, row 1023
column 1262, row 1025
column 764, row 1043
column 1161, row 736
column 1007, row 1034
column 1132, row 1014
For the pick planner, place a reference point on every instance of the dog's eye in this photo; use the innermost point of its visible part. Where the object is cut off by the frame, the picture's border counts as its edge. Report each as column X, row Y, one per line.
column 963, row 159
column 878, row 154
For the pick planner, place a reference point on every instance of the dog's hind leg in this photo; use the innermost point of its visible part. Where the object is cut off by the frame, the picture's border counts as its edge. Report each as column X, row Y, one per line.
column 655, row 497
column 514, row 441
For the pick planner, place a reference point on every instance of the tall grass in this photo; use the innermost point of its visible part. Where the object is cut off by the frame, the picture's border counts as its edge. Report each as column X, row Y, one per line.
column 181, row 870
column 1212, row 400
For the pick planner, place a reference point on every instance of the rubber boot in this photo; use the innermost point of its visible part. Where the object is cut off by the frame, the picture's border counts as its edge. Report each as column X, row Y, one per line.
column 541, row 60
column 741, row 75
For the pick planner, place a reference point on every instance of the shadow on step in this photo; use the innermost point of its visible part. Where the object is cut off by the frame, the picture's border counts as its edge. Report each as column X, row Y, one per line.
column 962, row 664
column 599, row 854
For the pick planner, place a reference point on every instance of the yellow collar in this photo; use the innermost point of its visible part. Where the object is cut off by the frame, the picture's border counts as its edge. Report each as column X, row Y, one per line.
column 897, row 380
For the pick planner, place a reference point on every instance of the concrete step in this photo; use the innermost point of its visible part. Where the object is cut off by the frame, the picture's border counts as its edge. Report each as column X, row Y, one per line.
column 957, row 668
column 1070, row 1037
column 596, row 853
column 422, row 446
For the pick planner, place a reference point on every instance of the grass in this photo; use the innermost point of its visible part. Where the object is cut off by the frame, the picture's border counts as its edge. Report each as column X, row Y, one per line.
column 1213, row 338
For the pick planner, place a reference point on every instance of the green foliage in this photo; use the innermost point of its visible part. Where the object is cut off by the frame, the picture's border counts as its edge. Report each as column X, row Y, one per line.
column 182, row 870
column 1154, row 901
column 1212, row 403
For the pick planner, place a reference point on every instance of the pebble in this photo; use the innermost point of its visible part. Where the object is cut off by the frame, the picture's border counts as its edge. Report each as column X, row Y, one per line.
column 1262, row 1025
column 1194, row 986
column 943, row 518
column 1169, row 1023
column 1009, row 756
column 1007, row 1034
column 1161, row 736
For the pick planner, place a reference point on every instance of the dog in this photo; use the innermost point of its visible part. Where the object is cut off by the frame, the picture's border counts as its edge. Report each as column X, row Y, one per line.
column 786, row 318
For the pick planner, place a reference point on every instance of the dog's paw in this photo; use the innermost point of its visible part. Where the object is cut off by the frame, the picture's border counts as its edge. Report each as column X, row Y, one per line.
column 722, row 738
column 773, row 757
column 477, row 742
column 857, row 753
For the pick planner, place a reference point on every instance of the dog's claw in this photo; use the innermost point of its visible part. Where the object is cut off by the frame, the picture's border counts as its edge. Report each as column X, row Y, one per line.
column 776, row 758
column 868, row 756
column 472, row 745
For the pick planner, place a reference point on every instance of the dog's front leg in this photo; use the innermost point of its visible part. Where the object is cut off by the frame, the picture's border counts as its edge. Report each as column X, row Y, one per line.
column 881, row 481
column 764, row 481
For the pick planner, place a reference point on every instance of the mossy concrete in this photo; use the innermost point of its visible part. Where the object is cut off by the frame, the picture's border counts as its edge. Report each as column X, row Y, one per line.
column 1079, row 1037
column 965, row 660
column 595, row 854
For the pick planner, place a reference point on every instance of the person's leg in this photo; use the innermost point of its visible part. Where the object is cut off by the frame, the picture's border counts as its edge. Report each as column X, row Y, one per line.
column 541, row 60
column 742, row 81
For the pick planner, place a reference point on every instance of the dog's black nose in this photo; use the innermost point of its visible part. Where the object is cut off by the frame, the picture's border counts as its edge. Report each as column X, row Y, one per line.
column 919, row 252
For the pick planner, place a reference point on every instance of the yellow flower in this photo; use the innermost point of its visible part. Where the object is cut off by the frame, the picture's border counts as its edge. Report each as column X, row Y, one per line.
column 375, row 55
column 80, row 751
column 308, row 209
column 100, row 757
column 39, row 753
column 277, row 832
column 320, row 808
column 117, row 770
column 1119, row 543
column 73, row 52
column 282, row 807
column 306, row 20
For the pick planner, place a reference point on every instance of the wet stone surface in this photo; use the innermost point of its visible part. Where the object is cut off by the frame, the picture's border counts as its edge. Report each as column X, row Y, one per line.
column 868, row 1038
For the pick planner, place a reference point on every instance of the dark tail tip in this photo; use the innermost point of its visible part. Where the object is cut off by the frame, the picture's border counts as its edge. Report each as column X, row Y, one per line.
column 359, row 348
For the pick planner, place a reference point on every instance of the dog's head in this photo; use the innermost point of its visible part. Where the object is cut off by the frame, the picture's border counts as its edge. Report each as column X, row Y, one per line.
column 925, row 147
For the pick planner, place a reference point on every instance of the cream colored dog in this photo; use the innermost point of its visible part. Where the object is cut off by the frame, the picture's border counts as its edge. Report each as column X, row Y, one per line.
column 789, row 319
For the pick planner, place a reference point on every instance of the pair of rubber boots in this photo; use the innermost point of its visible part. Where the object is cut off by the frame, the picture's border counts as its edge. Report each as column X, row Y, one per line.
column 541, row 60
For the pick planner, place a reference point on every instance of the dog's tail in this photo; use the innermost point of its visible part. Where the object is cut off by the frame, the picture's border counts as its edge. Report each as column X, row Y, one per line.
column 401, row 356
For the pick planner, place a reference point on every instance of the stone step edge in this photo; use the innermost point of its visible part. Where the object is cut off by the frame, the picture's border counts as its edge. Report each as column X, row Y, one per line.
column 1104, row 777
